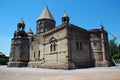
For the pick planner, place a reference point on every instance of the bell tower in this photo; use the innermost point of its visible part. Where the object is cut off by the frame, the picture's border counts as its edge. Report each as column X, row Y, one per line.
column 19, row 55
column 65, row 18
column 45, row 22
column 21, row 25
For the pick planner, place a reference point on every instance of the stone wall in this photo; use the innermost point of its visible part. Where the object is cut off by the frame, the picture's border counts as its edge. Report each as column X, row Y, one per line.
column 79, row 48
column 57, row 57
column 19, row 55
column 99, row 47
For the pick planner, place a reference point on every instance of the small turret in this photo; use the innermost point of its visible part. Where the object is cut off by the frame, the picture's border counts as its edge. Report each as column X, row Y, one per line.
column 19, row 55
column 20, row 29
column 21, row 25
column 102, row 27
column 30, row 33
column 65, row 18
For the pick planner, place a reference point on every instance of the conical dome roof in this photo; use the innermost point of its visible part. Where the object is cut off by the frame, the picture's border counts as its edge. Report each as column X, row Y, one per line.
column 65, row 15
column 30, row 31
column 21, row 21
column 46, row 14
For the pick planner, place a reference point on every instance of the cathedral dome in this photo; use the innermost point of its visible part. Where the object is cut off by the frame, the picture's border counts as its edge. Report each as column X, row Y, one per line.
column 45, row 22
column 46, row 14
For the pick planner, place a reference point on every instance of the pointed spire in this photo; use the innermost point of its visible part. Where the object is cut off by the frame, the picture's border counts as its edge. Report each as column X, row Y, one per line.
column 65, row 14
column 21, row 25
column 102, row 26
column 21, row 21
column 30, row 31
column 46, row 14
column 65, row 18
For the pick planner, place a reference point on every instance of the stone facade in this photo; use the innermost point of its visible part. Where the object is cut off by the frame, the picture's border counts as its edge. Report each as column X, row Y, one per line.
column 99, row 47
column 63, row 47
column 19, row 55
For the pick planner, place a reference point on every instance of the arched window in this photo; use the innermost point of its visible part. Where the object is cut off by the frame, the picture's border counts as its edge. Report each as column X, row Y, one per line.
column 54, row 46
column 41, row 29
column 53, row 42
column 31, row 47
column 95, row 44
column 39, row 53
column 32, row 39
column 51, row 47
column 46, row 29
column 77, row 45
column 80, row 46
column 34, row 55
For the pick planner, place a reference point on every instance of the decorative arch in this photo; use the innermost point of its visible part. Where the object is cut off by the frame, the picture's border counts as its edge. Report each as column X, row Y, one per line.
column 53, row 39
column 53, row 46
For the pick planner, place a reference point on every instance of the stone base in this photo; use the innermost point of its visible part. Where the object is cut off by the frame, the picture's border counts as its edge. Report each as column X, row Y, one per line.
column 107, row 63
column 17, row 64
column 104, row 64
column 67, row 65
column 80, row 65
column 48, row 65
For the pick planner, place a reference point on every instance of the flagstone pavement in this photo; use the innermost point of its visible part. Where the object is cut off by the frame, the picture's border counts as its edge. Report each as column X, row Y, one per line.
column 26, row 73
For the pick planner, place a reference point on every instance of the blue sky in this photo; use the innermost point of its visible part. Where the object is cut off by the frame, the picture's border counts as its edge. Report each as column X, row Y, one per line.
column 88, row 14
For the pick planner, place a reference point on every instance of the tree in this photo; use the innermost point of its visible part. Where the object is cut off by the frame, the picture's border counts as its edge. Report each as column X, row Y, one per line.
column 2, row 61
column 114, row 49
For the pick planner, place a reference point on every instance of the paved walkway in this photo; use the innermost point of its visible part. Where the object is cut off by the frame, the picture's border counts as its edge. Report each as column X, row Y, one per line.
column 108, row 73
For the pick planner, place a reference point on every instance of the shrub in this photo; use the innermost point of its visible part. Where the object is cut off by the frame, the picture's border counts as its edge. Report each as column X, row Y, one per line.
column 116, row 56
column 2, row 61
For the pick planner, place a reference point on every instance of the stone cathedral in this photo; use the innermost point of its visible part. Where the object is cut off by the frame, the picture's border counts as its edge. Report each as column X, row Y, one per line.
column 66, row 46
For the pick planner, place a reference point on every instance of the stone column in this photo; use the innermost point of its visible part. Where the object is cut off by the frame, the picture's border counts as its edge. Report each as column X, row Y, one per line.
column 103, row 46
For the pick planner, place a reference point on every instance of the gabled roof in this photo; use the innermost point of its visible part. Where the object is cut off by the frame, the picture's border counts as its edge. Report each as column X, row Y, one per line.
column 53, row 39
column 46, row 14
column 62, row 26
